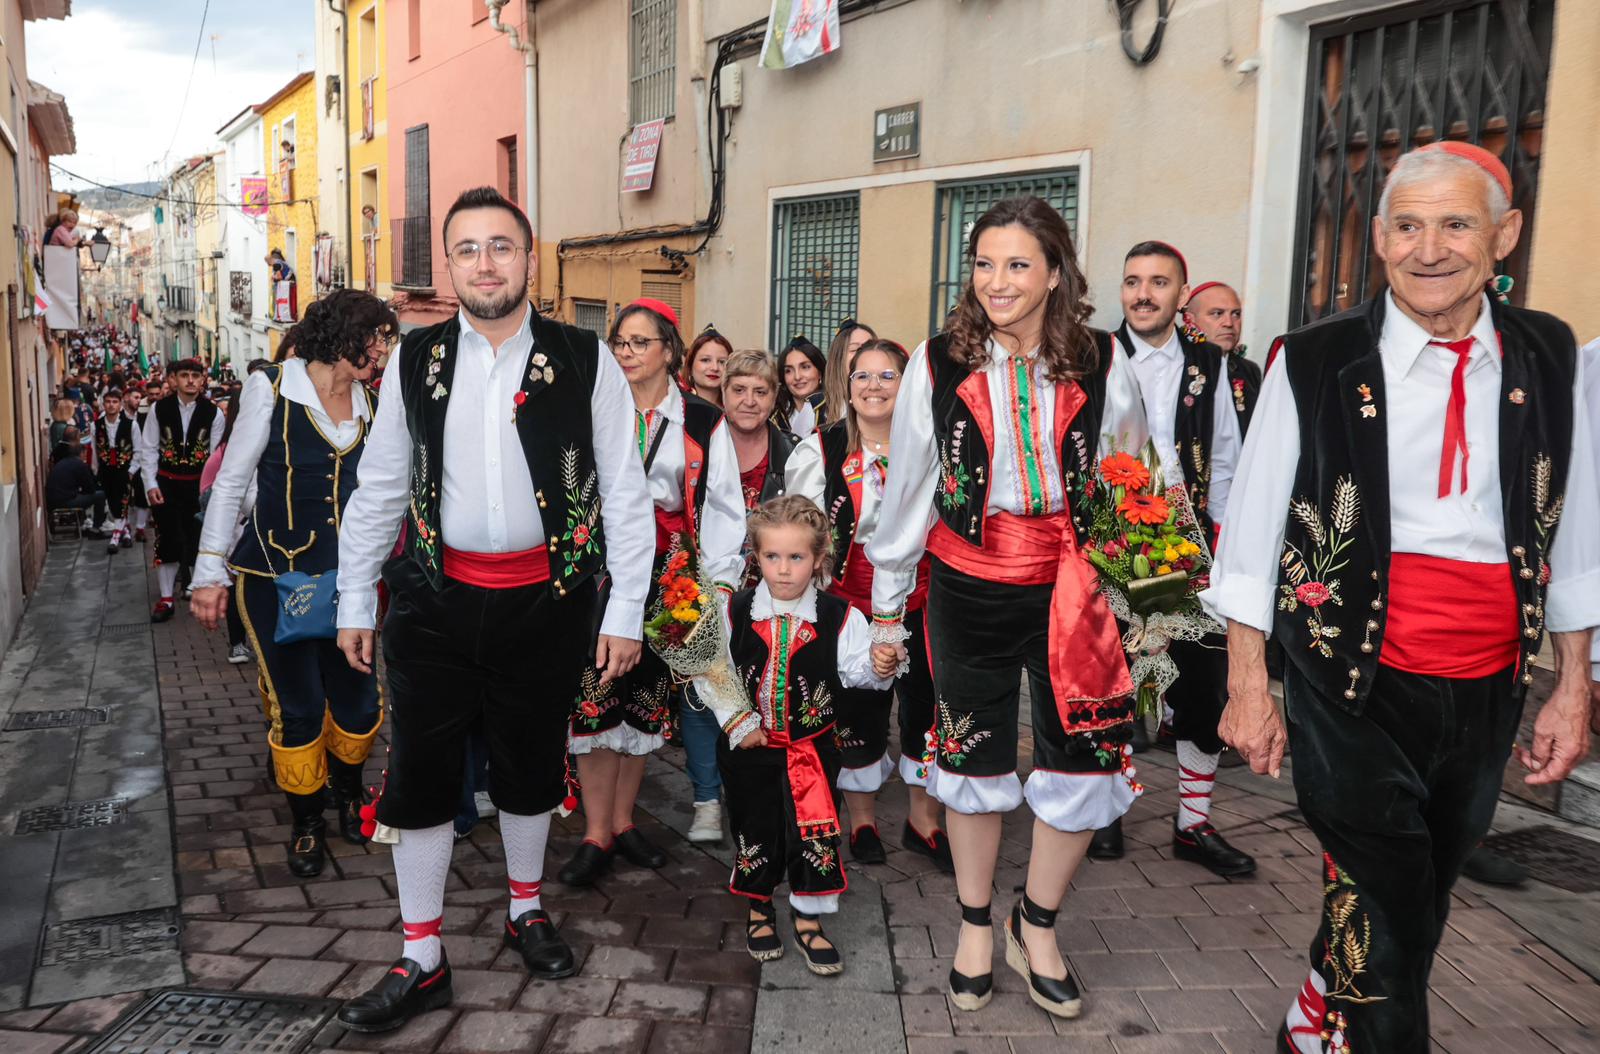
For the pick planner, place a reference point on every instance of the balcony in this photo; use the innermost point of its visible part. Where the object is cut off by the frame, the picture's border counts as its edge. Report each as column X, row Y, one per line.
column 412, row 262
column 180, row 299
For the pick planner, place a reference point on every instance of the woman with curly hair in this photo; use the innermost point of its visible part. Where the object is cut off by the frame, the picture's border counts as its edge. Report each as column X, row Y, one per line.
column 998, row 426
column 300, row 430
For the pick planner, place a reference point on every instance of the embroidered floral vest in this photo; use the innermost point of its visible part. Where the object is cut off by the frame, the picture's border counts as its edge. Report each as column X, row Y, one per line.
column 1335, row 565
column 1195, row 418
column 961, row 428
column 841, row 492
column 789, row 667
column 1244, row 384
column 113, row 445
column 553, row 422
column 183, row 454
column 303, row 482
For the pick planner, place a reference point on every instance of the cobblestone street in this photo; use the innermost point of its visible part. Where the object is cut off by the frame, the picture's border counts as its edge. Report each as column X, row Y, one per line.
column 1172, row 959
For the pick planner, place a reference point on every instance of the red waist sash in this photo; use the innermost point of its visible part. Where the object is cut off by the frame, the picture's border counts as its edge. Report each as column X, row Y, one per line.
column 498, row 570
column 856, row 585
column 1450, row 618
column 667, row 525
column 1087, row 664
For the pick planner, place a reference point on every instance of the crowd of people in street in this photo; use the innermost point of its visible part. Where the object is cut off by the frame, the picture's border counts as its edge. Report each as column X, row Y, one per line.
column 818, row 569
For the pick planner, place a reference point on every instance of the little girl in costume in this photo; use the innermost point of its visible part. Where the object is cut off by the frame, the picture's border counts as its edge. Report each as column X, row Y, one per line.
column 794, row 648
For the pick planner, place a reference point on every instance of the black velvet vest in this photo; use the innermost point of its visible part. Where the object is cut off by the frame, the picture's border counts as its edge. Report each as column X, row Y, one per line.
column 837, row 501
column 303, row 482
column 555, row 426
column 804, row 684
column 1195, row 419
column 183, row 454
column 1244, row 386
column 961, row 499
column 113, row 445
column 1339, row 515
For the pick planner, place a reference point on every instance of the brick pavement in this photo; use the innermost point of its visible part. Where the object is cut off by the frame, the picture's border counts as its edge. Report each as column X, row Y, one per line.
column 1172, row 959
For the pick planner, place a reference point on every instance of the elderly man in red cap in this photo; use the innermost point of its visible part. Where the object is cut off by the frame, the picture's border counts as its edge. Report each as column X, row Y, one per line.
column 1414, row 510
column 1215, row 312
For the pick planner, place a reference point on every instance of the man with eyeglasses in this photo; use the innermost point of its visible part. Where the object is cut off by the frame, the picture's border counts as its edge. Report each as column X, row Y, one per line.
column 500, row 436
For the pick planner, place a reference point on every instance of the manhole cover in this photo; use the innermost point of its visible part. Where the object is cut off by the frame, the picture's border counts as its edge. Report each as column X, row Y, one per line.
column 30, row 720
column 1554, row 856
column 109, row 936
column 185, row 1020
column 122, row 629
column 72, row 815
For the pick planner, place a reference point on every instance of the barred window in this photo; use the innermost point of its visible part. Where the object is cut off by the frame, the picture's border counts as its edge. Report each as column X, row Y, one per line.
column 962, row 204
column 590, row 315
column 652, row 59
column 816, row 253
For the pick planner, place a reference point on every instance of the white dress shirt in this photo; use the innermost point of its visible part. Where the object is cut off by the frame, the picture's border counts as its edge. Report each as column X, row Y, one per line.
column 252, row 428
column 908, row 510
column 487, row 503
column 806, row 474
column 1589, row 363
column 1162, row 380
column 1466, row 526
column 722, row 531
column 803, row 421
column 147, row 442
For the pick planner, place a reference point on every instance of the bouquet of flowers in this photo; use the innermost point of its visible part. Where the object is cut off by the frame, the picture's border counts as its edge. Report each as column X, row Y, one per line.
column 683, row 625
column 1153, row 563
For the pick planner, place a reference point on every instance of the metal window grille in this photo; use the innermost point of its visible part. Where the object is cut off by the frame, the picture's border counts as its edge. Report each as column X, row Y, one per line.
column 413, row 238
column 816, row 254
column 961, row 205
column 1467, row 70
column 653, row 59
column 590, row 315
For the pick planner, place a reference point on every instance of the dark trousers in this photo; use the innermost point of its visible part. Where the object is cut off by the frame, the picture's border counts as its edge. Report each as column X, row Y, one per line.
column 863, row 729
column 761, row 816
column 178, row 522
column 459, row 657
column 1200, row 692
column 114, row 481
column 1398, row 796
column 95, row 501
column 303, row 680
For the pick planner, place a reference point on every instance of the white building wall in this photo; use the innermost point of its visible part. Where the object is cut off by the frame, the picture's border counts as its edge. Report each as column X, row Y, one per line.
column 244, row 248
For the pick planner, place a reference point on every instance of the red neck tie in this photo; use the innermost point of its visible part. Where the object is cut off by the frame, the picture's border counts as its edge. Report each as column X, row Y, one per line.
column 1455, row 417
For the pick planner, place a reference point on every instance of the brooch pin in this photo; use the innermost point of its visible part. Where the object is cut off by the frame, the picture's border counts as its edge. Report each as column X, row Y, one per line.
column 1518, row 396
column 516, row 404
column 1194, row 371
column 806, row 635
column 1197, row 385
column 438, row 351
column 439, row 391
column 1188, row 400
column 1365, row 392
column 539, row 358
column 1369, row 411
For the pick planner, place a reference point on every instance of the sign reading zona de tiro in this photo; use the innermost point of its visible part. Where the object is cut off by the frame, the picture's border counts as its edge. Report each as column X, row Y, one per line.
column 639, row 171
column 897, row 132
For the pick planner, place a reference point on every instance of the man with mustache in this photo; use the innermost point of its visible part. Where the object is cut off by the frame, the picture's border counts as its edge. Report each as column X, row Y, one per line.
column 500, row 436
column 1197, row 436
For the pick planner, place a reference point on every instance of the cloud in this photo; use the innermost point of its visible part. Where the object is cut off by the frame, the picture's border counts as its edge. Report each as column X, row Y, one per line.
column 123, row 78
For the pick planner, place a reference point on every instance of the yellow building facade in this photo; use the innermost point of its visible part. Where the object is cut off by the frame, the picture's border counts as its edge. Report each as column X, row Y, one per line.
column 367, row 61
column 289, row 127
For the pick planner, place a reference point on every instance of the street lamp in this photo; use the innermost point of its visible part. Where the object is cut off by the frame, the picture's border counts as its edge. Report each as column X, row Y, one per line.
column 99, row 247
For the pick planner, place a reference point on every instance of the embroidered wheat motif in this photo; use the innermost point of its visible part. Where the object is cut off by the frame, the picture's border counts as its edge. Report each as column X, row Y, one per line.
column 1346, row 505
column 1311, row 519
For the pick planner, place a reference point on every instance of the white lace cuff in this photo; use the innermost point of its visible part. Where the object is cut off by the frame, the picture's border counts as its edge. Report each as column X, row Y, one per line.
column 741, row 726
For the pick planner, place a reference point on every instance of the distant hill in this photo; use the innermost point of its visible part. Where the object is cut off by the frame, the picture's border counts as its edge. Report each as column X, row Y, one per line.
column 117, row 199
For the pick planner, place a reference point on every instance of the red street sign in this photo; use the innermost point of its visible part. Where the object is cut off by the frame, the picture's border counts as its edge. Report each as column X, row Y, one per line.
column 639, row 171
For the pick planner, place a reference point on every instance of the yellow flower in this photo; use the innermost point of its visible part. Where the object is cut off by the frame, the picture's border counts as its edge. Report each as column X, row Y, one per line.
column 1170, row 555
column 1189, row 549
column 1164, row 569
column 686, row 613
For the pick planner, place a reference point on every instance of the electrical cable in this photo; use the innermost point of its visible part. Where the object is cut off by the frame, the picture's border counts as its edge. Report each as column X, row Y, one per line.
column 220, row 203
column 189, row 85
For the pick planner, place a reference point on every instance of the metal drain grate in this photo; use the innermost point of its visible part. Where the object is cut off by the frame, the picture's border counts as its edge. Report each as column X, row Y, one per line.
column 31, row 720
column 72, row 815
column 109, row 936
column 1554, row 856
column 123, row 629
column 190, row 1020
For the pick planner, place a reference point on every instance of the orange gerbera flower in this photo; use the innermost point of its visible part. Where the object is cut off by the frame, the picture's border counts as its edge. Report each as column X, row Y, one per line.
column 1124, row 470
column 1149, row 509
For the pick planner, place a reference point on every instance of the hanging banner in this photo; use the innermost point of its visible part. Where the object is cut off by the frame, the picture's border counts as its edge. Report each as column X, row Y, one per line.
column 253, row 189
column 799, row 31
column 60, row 291
column 639, row 170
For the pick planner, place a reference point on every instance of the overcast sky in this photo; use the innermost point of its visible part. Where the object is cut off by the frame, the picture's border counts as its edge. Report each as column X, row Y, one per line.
column 123, row 64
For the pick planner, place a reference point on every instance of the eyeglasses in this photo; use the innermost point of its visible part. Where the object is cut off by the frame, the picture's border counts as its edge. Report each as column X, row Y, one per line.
column 884, row 378
column 501, row 251
column 640, row 345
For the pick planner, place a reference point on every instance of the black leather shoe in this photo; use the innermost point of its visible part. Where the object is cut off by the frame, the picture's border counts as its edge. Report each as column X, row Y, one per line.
column 586, row 865
column 403, row 993
column 1058, row 996
column 1107, row 842
column 163, row 611
column 1489, row 867
column 972, row 993
column 640, row 850
column 543, row 951
column 763, row 947
column 348, row 798
column 865, row 845
column 308, row 846
column 1204, row 846
column 1141, row 737
column 821, row 955
column 935, row 847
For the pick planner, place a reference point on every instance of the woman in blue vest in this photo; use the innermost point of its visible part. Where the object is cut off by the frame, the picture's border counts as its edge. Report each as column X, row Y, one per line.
column 298, row 437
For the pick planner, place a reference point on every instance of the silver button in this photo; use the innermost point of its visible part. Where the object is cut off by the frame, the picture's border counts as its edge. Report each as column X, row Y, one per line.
column 1349, row 693
column 1377, row 603
column 1355, row 674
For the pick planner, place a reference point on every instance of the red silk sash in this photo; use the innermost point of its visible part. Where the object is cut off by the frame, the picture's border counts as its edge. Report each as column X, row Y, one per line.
column 856, row 585
column 813, row 797
column 498, row 570
column 1450, row 618
column 667, row 525
column 1087, row 664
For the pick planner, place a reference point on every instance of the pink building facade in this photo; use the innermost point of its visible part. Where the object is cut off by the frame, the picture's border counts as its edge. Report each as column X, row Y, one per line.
column 455, row 121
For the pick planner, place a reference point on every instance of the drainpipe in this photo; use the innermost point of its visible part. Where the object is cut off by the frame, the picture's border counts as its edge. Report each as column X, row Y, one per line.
column 523, row 42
